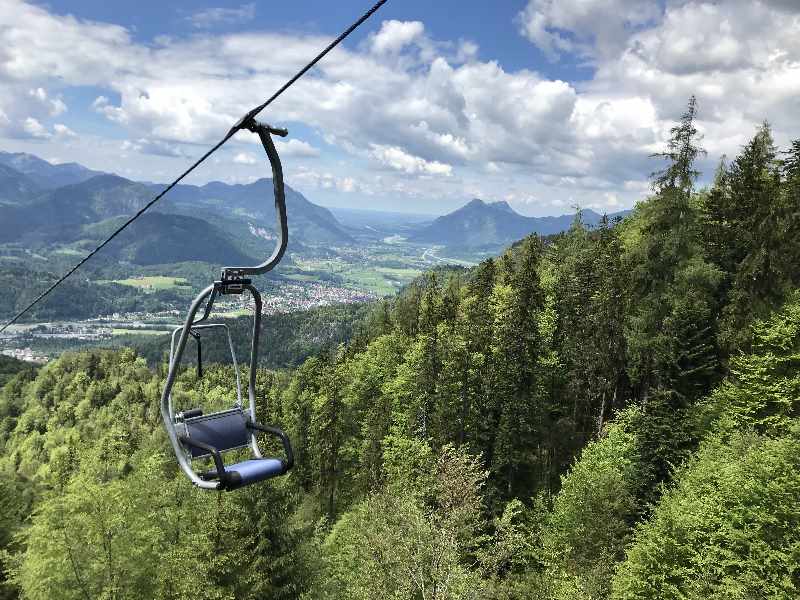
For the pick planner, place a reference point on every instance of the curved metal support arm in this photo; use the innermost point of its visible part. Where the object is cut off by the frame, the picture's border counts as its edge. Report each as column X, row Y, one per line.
column 167, row 415
column 215, row 455
column 209, row 306
column 287, row 446
column 264, row 132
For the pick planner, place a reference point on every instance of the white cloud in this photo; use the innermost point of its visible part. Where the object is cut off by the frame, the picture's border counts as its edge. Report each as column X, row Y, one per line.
column 314, row 179
column 245, row 158
column 35, row 129
column 397, row 159
column 154, row 147
column 585, row 27
column 55, row 106
column 211, row 17
column 61, row 130
column 421, row 117
column 296, row 148
column 347, row 184
column 395, row 35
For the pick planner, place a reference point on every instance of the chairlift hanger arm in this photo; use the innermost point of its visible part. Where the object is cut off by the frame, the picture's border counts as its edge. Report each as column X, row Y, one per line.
column 265, row 133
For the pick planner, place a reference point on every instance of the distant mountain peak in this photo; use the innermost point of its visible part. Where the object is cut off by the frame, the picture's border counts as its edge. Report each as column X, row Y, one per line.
column 44, row 173
column 479, row 224
column 503, row 205
column 478, row 204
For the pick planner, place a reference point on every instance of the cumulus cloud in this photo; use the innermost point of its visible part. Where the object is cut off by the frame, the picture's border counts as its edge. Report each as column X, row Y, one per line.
column 585, row 27
column 54, row 106
column 154, row 147
column 296, row 148
column 61, row 130
column 423, row 117
column 328, row 181
column 398, row 159
column 35, row 129
column 245, row 158
column 395, row 35
column 211, row 17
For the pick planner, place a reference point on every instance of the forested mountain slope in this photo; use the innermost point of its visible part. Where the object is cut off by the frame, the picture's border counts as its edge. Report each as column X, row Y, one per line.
column 613, row 414
column 15, row 186
column 9, row 367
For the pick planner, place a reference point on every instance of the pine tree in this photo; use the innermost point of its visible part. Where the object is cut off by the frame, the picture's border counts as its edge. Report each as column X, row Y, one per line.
column 663, row 268
column 757, row 219
column 681, row 154
column 331, row 425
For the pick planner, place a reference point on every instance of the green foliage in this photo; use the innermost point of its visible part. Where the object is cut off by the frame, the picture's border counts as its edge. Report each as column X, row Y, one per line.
column 10, row 367
column 590, row 523
column 764, row 387
column 750, row 222
column 288, row 339
column 113, row 518
column 397, row 544
column 728, row 529
column 682, row 151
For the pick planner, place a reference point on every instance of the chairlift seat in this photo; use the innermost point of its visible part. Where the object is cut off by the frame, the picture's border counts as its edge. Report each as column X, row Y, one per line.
column 207, row 436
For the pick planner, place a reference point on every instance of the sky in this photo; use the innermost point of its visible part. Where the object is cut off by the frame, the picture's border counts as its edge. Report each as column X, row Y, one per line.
column 546, row 104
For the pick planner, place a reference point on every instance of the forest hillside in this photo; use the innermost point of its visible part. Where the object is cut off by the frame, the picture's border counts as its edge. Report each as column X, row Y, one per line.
column 607, row 413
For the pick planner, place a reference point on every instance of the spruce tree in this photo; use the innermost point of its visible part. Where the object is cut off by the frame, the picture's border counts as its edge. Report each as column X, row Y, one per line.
column 681, row 154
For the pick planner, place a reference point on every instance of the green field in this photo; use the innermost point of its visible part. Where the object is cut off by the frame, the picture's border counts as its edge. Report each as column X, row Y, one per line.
column 117, row 332
column 381, row 280
column 233, row 314
column 370, row 273
column 301, row 277
column 155, row 282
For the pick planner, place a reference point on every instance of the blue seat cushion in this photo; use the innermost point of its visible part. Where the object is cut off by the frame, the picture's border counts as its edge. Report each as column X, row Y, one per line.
column 256, row 469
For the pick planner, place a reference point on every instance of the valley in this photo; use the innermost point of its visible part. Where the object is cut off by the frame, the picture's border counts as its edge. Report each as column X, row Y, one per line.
column 141, row 284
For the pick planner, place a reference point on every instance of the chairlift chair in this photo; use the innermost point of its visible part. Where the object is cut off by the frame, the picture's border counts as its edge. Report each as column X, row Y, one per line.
column 195, row 435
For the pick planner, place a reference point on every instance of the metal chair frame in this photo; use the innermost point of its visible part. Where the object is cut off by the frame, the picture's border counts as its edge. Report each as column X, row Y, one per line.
column 234, row 280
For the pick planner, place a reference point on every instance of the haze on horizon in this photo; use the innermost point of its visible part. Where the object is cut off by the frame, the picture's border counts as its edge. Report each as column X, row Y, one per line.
column 542, row 103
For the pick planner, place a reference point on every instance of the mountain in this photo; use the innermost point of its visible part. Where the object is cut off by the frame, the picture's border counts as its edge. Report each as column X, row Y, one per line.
column 57, row 215
column 481, row 224
column 255, row 203
column 16, row 186
column 159, row 238
column 45, row 174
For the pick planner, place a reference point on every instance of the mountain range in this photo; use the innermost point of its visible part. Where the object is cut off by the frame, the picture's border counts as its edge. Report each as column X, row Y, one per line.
column 46, row 175
column 226, row 222
column 480, row 224
column 15, row 185
column 45, row 204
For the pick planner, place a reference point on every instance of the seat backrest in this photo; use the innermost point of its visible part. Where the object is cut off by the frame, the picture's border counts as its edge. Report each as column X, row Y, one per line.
column 225, row 430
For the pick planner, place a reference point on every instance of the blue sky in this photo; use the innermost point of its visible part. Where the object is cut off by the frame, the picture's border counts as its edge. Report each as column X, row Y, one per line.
column 546, row 104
